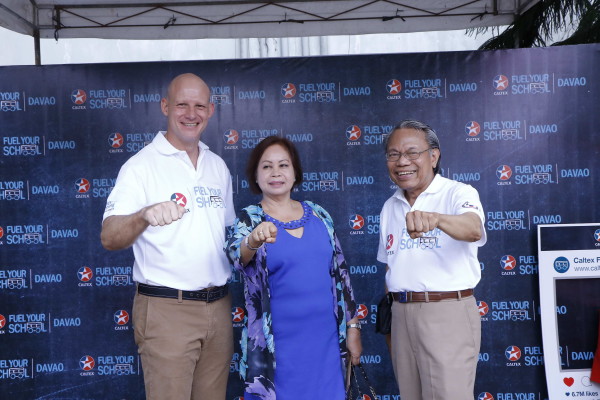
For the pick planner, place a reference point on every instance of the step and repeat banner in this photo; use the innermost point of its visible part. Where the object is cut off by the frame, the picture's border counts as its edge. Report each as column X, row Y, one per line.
column 521, row 126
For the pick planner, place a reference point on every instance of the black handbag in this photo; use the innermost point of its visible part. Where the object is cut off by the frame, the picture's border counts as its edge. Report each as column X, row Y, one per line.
column 383, row 322
column 353, row 387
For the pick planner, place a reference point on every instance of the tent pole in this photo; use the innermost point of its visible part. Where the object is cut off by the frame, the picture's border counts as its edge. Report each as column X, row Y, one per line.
column 36, row 44
column 36, row 33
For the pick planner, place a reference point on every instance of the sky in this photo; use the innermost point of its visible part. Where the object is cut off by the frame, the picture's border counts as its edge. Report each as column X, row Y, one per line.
column 18, row 49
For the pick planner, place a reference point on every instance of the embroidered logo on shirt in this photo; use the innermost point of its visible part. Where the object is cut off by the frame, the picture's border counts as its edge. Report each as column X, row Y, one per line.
column 179, row 199
column 469, row 205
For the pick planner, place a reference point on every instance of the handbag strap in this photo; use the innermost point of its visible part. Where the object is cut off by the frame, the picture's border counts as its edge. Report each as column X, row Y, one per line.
column 364, row 374
column 349, row 389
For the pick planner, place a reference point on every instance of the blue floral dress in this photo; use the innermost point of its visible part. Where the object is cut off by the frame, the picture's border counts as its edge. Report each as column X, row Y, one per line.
column 258, row 363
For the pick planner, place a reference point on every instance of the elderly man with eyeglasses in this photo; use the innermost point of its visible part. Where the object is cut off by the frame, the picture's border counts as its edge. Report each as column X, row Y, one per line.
column 430, row 232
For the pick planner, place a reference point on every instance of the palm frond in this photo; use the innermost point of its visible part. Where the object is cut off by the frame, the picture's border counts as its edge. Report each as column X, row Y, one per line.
column 537, row 26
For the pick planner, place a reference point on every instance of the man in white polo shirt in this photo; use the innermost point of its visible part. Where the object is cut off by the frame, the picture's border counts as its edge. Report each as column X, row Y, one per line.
column 172, row 202
column 430, row 231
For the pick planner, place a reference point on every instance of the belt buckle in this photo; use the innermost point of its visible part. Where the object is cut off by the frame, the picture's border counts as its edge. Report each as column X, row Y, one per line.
column 402, row 297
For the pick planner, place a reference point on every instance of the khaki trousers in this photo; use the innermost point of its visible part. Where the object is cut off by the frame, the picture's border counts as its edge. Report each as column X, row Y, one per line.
column 435, row 349
column 185, row 347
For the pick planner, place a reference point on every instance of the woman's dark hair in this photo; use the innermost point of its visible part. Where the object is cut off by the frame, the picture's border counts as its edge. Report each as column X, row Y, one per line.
column 258, row 152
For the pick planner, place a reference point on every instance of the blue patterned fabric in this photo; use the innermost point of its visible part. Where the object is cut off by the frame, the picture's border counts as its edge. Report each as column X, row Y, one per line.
column 258, row 361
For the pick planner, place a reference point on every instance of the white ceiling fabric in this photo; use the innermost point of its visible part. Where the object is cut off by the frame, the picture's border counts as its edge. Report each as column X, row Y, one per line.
column 139, row 19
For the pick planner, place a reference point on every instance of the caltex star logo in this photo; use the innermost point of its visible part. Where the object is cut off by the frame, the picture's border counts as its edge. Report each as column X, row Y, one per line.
column 121, row 317
column 500, row 82
column 512, row 353
column 503, row 172
column 508, row 262
column 78, row 96
column 357, row 222
column 231, row 136
column 390, row 241
column 1, row 232
column 87, row 363
column 485, row 396
column 85, row 274
column 179, row 199
column 82, row 185
column 483, row 308
column 362, row 311
column 393, row 86
column 115, row 140
column 472, row 128
column 596, row 235
column 238, row 314
column 2, row 321
column 288, row 90
column 353, row 132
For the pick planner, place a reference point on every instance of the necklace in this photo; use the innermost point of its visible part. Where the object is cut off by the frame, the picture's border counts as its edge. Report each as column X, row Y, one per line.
column 295, row 224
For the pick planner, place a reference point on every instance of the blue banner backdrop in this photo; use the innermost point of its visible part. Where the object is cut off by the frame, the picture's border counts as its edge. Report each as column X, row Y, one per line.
column 521, row 126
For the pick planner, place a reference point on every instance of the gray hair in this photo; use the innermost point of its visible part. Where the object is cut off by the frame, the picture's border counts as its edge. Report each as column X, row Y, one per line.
column 430, row 136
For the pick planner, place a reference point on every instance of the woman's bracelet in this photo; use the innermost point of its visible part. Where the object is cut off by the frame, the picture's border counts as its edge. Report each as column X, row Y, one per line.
column 247, row 243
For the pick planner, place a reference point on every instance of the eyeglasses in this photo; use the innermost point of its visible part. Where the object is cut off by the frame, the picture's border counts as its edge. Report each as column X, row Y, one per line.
column 409, row 155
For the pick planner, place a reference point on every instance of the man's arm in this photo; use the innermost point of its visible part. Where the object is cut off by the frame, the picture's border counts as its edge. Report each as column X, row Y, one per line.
column 466, row 227
column 120, row 231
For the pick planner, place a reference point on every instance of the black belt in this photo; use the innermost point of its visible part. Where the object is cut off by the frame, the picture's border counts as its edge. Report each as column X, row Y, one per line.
column 411, row 297
column 208, row 295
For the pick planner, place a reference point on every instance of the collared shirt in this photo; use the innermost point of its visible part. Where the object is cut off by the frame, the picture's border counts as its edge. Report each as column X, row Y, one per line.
column 436, row 261
column 188, row 253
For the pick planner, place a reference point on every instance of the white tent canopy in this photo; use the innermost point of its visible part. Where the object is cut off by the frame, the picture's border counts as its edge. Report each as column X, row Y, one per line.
column 168, row 19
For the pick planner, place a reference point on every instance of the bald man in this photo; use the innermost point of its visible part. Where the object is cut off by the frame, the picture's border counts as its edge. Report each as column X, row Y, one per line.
column 172, row 202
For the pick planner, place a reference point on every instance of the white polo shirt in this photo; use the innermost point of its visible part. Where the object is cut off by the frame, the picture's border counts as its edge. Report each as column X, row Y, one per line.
column 187, row 254
column 435, row 262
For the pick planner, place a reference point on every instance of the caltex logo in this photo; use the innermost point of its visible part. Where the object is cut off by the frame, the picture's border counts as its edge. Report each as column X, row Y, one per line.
column 115, row 140
column 2, row 321
column 179, row 199
column 121, row 317
column 485, row 396
column 353, row 132
column 362, row 311
column 472, row 128
column 82, row 185
column 508, row 262
column 389, row 242
column 231, row 136
column 512, row 353
column 483, row 308
column 78, row 96
column 238, row 314
column 500, row 82
column 596, row 235
column 87, row 363
column 503, row 172
column 393, row 86
column 288, row 90
column 356, row 221
column 85, row 274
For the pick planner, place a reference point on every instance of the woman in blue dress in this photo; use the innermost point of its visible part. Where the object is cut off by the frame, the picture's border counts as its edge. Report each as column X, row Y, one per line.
column 301, row 318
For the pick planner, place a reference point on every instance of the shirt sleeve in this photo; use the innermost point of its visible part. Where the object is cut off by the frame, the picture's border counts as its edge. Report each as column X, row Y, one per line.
column 230, row 209
column 127, row 196
column 467, row 200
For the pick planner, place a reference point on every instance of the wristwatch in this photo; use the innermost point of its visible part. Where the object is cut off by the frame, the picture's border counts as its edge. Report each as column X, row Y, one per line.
column 357, row 326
